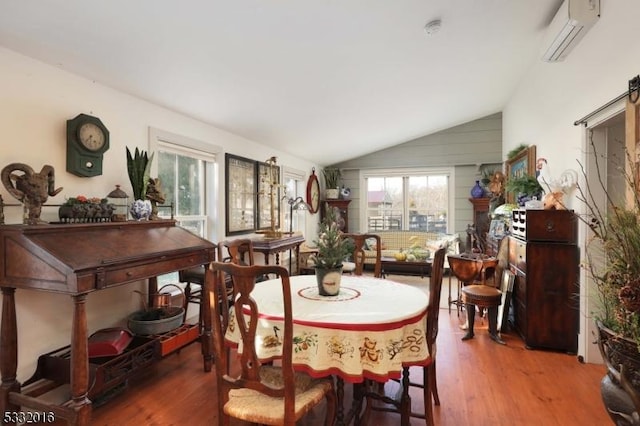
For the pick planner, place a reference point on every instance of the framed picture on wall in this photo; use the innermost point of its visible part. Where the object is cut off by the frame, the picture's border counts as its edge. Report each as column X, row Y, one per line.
column 268, row 181
column 240, row 195
column 521, row 164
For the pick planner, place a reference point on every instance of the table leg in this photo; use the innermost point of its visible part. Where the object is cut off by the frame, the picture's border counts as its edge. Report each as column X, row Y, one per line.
column 80, row 404
column 8, row 350
column 340, row 401
column 405, row 399
column 208, row 297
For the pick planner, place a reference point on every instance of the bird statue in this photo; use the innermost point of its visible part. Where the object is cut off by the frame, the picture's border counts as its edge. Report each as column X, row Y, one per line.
column 554, row 188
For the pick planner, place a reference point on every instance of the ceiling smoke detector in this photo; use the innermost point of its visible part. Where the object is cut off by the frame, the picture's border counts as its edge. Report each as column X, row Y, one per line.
column 433, row 27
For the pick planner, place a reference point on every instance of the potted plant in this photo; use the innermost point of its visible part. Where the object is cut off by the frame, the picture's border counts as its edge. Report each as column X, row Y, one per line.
column 524, row 187
column 332, row 177
column 613, row 264
column 333, row 249
column 138, row 167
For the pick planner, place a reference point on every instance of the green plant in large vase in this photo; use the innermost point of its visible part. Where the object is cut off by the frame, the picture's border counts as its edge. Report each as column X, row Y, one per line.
column 333, row 249
column 613, row 265
column 332, row 177
column 138, row 168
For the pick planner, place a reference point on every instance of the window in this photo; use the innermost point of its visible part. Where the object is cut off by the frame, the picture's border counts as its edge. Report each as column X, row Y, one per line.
column 186, row 169
column 408, row 200
column 294, row 187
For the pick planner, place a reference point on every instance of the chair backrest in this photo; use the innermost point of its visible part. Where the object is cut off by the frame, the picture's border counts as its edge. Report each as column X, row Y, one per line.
column 238, row 251
column 244, row 281
column 435, row 289
column 360, row 244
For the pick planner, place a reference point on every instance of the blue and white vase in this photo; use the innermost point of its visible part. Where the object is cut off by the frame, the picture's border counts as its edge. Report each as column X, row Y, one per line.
column 140, row 209
column 477, row 191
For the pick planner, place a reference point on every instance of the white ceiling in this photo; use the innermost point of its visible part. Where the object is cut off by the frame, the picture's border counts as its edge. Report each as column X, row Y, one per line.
column 326, row 80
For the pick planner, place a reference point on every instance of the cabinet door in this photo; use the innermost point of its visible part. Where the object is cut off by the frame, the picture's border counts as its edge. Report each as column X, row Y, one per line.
column 552, row 296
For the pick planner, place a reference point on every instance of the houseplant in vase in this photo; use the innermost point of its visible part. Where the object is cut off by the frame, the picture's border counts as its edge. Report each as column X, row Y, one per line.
column 524, row 188
column 333, row 249
column 332, row 177
column 613, row 264
column 138, row 167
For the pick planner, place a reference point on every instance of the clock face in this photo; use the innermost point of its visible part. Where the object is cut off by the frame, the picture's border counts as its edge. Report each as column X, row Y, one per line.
column 313, row 192
column 91, row 136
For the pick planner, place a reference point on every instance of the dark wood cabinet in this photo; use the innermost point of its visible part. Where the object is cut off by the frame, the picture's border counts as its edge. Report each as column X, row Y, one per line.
column 544, row 257
column 343, row 208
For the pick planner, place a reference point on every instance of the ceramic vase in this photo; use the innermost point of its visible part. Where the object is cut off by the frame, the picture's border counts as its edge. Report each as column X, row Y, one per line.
column 140, row 209
column 477, row 191
column 329, row 281
column 620, row 401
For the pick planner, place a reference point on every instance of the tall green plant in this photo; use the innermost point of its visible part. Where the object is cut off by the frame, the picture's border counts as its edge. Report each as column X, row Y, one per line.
column 332, row 177
column 138, row 168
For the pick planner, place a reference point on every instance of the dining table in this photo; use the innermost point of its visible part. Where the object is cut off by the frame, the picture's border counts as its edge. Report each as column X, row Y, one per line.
column 370, row 330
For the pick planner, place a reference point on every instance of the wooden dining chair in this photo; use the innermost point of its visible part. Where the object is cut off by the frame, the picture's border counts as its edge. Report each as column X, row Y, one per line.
column 262, row 393
column 429, row 384
column 194, row 282
column 358, row 257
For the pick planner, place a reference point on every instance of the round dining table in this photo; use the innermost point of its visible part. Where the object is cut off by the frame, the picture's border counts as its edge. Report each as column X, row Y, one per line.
column 370, row 330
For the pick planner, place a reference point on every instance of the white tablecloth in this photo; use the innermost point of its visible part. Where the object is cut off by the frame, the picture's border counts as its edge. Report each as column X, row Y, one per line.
column 369, row 330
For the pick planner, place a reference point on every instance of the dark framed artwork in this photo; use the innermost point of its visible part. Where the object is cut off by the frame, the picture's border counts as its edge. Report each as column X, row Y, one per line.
column 268, row 183
column 521, row 164
column 240, row 195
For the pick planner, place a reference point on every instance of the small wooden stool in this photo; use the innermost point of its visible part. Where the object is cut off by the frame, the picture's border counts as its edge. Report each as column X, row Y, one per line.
column 482, row 296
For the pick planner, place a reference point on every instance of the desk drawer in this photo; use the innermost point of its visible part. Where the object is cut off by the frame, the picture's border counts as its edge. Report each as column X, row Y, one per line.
column 165, row 264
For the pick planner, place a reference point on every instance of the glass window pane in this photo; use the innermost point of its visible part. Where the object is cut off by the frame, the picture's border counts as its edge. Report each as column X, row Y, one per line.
column 411, row 202
column 167, row 175
column 189, row 187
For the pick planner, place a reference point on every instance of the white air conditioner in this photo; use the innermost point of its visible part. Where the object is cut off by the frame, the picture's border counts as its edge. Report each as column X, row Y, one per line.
column 570, row 24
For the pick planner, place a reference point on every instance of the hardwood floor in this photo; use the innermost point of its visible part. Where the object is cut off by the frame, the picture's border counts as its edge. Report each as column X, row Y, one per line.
column 479, row 382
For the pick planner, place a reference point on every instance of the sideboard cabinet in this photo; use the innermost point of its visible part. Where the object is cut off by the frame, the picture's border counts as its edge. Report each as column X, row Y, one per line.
column 544, row 257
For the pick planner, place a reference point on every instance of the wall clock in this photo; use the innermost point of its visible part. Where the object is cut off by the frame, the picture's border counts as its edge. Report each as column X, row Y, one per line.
column 87, row 141
column 313, row 192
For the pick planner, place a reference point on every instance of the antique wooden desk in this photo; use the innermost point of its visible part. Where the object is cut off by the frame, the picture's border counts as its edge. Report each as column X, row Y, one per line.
column 78, row 259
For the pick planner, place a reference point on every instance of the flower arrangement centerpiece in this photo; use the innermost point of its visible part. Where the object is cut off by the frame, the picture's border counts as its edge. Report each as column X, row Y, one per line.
column 81, row 209
column 333, row 249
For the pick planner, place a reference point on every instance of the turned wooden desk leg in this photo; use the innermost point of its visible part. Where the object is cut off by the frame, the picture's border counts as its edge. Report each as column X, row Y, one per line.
column 208, row 297
column 8, row 350
column 80, row 362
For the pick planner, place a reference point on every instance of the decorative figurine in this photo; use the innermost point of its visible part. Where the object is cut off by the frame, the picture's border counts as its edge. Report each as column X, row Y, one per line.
column 31, row 188
column 155, row 195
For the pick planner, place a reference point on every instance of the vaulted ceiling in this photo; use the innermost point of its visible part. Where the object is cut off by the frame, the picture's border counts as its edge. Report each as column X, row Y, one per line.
column 326, row 80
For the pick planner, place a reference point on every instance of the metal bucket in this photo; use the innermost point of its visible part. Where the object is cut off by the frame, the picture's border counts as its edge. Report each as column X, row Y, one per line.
column 161, row 317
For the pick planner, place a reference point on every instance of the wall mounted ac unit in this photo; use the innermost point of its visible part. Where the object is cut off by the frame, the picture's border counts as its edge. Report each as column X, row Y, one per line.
column 570, row 24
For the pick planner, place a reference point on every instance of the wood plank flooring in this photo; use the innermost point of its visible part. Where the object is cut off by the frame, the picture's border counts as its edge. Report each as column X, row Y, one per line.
column 479, row 382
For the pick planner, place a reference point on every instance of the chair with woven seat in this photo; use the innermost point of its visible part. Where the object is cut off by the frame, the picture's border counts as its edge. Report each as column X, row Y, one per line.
column 358, row 257
column 429, row 382
column 262, row 393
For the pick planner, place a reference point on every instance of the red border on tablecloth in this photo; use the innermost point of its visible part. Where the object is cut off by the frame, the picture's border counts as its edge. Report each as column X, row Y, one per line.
column 354, row 327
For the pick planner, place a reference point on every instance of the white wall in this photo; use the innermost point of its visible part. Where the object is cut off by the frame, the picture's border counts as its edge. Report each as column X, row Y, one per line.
column 552, row 96
column 35, row 102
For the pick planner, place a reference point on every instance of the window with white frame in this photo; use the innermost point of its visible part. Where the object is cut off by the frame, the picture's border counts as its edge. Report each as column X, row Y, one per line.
column 186, row 169
column 294, row 220
column 408, row 199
